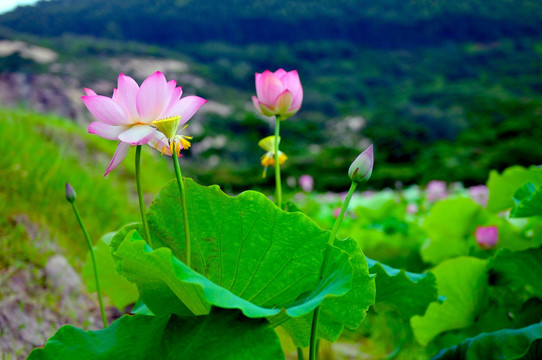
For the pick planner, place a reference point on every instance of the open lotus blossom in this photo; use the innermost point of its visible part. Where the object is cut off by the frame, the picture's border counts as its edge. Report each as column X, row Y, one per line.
column 129, row 114
column 279, row 93
column 268, row 159
column 168, row 140
column 487, row 236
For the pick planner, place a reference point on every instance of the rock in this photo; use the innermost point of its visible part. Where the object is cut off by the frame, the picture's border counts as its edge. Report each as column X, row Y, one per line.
column 62, row 276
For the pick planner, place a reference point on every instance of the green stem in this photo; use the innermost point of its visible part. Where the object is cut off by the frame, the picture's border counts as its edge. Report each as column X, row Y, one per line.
column 299, row 353
column 90, row 248
column 277, row 165
column 314, row 327
column 180, row 183
column 140, row 195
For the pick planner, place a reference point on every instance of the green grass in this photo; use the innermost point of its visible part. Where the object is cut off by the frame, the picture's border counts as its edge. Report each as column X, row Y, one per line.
column 42, row 152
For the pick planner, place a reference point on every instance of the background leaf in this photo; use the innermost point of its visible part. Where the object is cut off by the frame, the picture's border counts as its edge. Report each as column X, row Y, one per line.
column 510, row 344
column 463, row 281
column 502, row 186
column 528, row 201
column 407, row 292
column 221, row 335
column 518, row 270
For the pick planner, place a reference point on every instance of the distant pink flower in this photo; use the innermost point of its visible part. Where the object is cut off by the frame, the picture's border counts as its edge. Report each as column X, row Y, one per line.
column 306, row 182
column 128, row 115
column 412, row 208
column 487, row 236
column 479, row 194
column 279, row 93
column 435, row 190
column 336, row 212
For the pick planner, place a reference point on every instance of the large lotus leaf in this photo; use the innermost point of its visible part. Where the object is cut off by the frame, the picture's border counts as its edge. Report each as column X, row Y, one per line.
column 528, row 201
column 246, row 254
column 508, row 344
column 521, row 269
column 120, row 291
column 409, row 293
column 221, row 335
column 463, row 281
column 448, row 226
column 339, row 312
column 502, row 186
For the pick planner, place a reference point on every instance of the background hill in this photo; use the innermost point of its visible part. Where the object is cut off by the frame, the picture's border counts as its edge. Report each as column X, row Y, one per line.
column 445, row 90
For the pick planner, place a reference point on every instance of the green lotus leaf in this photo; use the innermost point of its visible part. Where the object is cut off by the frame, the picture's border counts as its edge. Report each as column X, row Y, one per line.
column 463, row 281
column 409, row 293
column 448, row 227
column 339, row 312
column 518, row 270
column 246, row 254
column 120, row 291
column 528, row 201
column 502, row 186
column 509, row 344
column 220, row 335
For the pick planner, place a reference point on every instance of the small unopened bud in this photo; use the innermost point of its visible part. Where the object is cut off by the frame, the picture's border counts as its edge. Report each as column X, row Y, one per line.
column 362, row 168
column 487, row 237
column 70, row 193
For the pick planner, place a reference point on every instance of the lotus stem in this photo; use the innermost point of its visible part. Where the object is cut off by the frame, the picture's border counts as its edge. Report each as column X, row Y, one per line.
column 313, row 351
column 93, row 258
column 180, row 183
column 142, row 208
column 277, row 165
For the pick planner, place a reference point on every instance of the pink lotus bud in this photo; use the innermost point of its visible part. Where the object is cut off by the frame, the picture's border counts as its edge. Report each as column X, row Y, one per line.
column 487, row 236
column 362, row 168
column 435, row 190
column 336, row 212
column 306, row 182
column 479, row 194
column 70, row 193
column 279, row 93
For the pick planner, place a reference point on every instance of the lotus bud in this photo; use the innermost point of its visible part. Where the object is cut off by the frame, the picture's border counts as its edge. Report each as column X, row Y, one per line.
column 70, row 193
column 362, row 168
column 487, row 237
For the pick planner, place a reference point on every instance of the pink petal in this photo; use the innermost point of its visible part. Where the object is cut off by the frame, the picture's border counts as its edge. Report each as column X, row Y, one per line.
column 298, row 99
column 159, row 141
column 106, row 131
column 106, row 110
column 185, row 108
column 151, row 97
column 283, row 102
column 120, row 154
column 175, row 96
column 291, row 82
column 126, row 96
column 268, row 87
column 137, row 134
column 280, row 73
column 262, row 108
column 90, row 92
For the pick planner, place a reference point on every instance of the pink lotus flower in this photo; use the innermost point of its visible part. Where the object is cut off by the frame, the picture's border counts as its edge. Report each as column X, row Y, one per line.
column 306, row 182
column 479, row 194
column 487, row 237
column 435, row 190
column 128, row 115
column 279, row 93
